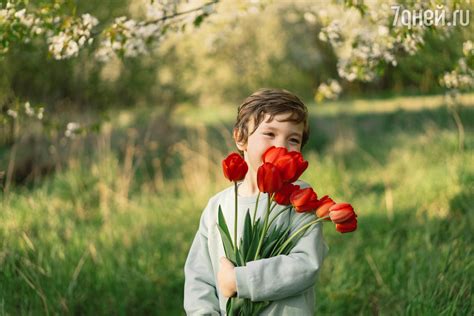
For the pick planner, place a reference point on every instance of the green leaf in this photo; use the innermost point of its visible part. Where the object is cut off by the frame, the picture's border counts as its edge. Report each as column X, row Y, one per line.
column 235, row 306
column 280, row 241
column 277, row 236
column 288, row 248
column 240, row 258
column 164, row 29
column 228, row 307
column 199, row 19
column 258, row 307
column 225, row 235
column 247, row 236
column 267, row 248
column 257, row 230
column 222, row 223
column 244, row 306
column 273, row 234
column 228, row 248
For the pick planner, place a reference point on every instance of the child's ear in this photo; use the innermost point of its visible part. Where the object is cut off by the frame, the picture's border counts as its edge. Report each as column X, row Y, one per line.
column 240, row 145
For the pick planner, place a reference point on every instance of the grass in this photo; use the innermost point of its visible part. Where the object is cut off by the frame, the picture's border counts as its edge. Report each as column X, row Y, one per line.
column 109, row 232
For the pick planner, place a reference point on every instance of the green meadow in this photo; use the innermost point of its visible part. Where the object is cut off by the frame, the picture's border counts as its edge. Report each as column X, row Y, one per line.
column 107, row 233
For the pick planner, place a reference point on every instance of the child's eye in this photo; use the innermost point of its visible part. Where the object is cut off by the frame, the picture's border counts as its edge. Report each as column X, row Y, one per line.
column 295, row 140
column 269, row 134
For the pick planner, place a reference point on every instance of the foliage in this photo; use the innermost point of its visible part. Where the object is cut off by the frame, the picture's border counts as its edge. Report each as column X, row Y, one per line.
column 102, row 233
column 144, row 51
column 81, row 242
column 66, row 32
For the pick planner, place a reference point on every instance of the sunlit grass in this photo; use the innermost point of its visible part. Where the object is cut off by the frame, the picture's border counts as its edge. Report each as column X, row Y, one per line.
column 100, row 237
column 386, row 105
column 189, row 115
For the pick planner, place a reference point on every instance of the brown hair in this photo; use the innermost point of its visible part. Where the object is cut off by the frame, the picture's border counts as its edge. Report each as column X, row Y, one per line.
column 272, row 102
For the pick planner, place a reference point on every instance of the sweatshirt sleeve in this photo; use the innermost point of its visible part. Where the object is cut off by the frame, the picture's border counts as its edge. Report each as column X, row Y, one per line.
column 200, row 296
column 283, row 276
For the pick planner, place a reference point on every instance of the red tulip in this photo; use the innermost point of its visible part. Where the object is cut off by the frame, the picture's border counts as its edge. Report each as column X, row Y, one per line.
column 291, row 164
column 293, row 168
column 272, row 154
column 234, row 166
column 324, row 204
column 282, row 197
column 269, row 178
column 347, row 226
column 341, row 212
column 304, row 200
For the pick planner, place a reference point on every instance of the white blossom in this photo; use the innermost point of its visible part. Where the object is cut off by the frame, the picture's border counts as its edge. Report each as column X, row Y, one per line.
column 208, row 9
column 329, row 90
column 3, row 14
column 468, row 48
column 363, row 41
column 335, row 87
column 89, row 20
column 12, row 113
column 331, row 33
column 71, row 49
column 81, row 40
column 129, row 38
column 71, row 129
column 28, row 110
column 68, row 42
column 154, row 11
column 40, row 113
column 310, row 17
column 383, row 30
column 20, row 14
column 459, row 78
column 37, row 30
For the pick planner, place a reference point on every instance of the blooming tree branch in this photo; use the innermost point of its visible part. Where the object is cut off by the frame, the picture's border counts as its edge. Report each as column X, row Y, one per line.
column 369, row 36
column 366, row 37
column 66, row 34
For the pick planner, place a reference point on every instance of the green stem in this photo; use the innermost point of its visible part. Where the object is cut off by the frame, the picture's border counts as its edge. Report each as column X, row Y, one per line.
column 278, row 214
column 235, row 218
column 300, row 230
column 273, row 206
column 264, row 231
column 280, row 239
column 255, row 210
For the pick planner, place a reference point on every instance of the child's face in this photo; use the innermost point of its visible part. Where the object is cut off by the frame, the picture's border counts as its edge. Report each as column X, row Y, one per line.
column 274, row 133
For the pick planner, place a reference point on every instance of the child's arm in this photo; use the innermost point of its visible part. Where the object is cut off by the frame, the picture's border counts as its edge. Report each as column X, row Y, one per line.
column 284, row 275
column 200, row 297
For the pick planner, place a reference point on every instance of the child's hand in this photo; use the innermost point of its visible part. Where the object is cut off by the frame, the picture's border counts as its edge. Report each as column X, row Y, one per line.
column 226, row 278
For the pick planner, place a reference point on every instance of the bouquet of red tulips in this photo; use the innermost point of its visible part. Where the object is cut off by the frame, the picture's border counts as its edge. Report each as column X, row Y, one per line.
column 260, row 239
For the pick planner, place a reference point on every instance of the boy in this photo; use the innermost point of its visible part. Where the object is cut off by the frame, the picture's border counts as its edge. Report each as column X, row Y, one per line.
column 268, row 117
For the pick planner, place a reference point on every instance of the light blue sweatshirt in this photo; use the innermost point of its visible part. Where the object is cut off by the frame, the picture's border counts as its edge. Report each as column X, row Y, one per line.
column 286, row 280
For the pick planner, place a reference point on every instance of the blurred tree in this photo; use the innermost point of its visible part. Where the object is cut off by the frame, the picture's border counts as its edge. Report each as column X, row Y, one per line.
column 87, row 55
column 245, row 45
column 70, row 57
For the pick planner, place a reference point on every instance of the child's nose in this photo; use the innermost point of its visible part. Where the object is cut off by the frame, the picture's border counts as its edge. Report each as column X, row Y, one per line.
column 282, row 143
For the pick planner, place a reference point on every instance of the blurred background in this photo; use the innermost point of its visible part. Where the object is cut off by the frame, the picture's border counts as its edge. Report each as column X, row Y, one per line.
column 112, row 131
